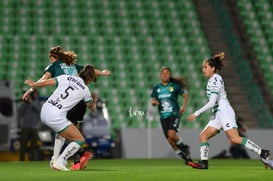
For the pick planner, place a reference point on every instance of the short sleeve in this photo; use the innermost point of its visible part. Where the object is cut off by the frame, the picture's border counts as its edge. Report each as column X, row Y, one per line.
column 50, row 68
column 78, row 67
column 180, row 90
column 87, row 96
column 154, row 92
column 60, row 79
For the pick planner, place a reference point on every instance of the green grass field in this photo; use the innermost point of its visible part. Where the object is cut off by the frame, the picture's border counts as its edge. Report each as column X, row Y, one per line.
column 139, row 169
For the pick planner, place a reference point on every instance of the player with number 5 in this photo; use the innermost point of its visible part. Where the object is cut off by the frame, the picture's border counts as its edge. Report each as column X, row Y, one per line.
column 70, row 91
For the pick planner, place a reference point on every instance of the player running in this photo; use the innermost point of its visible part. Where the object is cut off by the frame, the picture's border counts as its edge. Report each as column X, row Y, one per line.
column 224, row 116
column 70, row 91
column 165, row 96
column 63, row 62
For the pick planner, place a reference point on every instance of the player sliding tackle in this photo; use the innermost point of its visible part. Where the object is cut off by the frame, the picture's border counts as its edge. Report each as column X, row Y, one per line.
column 70, row 91
column 224, row 116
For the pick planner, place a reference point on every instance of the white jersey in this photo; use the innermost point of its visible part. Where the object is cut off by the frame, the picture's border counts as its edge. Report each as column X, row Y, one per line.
column 224, row 116
column 216, row 86
column 70, row 91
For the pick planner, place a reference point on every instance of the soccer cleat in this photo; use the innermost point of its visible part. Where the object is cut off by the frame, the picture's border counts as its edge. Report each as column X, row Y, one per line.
column 265, row 154
column 51, row 162
column 268, row 163
column 185, row 153
column 76, row 166
column 192, row 164
column 203, row 164
column 59, row 166
column 85, row 158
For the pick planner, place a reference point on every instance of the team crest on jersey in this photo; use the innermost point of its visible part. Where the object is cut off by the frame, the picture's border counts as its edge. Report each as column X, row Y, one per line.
column 171, row 89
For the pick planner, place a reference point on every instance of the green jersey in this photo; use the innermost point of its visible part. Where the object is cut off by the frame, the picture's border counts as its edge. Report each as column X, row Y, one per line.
column 167, row 97
column 60, row 68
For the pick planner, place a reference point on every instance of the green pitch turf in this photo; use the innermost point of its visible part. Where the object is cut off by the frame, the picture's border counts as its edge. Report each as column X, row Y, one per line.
column 140, row 169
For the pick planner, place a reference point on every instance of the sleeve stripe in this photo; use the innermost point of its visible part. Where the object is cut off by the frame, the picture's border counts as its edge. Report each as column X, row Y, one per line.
column 91, row 100
column 56, row 81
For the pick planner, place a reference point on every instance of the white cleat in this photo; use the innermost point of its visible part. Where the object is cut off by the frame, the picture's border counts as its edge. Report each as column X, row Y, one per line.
column 60, row 167
column 52, row 161
column 268, row 163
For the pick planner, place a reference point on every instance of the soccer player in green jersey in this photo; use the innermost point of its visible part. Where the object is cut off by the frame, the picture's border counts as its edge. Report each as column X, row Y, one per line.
column 224, row 115
column 64, row 62
column 165, row 96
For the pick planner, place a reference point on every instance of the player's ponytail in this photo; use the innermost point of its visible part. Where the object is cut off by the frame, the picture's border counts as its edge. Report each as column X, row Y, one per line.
column 217, row 61
column 88, row 74
column 68, row 57
column 181, row 81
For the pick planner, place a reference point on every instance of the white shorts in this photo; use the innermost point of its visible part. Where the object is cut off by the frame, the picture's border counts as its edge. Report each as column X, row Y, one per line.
column 53, row 119
column 224, row 118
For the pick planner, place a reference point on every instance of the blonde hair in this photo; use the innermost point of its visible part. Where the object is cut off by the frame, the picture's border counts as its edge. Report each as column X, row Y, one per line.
column 68, row 57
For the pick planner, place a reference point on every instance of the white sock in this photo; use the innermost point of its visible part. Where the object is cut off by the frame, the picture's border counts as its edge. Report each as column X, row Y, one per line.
column 69, row 151
column 178, row 152
column 252, row 146
column 180, row 140
column 58, row 144
column 204, row 151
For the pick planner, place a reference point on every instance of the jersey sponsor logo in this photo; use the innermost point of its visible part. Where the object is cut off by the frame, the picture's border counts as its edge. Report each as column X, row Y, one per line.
column 171, row 89
column 164, row 95
column 56, row 103
column 69, row 69
column 166, row 106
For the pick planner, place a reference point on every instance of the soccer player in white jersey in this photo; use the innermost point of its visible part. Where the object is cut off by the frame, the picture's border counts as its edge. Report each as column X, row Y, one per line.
column 70, row 91
column 223, row 113
column 64, row 62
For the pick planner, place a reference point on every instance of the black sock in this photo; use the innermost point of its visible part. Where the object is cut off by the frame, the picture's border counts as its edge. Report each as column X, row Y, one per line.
column 182, row 155
column 180, row 146
column 77, row 158
column 206, row 162
column 81, row 151
column 78, row 155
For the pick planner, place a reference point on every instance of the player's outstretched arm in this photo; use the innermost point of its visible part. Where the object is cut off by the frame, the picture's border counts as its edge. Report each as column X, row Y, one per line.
column 42, row 83
column 103, row 72
column 26, row 95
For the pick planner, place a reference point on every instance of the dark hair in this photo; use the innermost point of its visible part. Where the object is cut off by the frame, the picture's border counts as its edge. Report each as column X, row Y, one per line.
column 88, row 73
column 181, row 81
column 217, row 61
